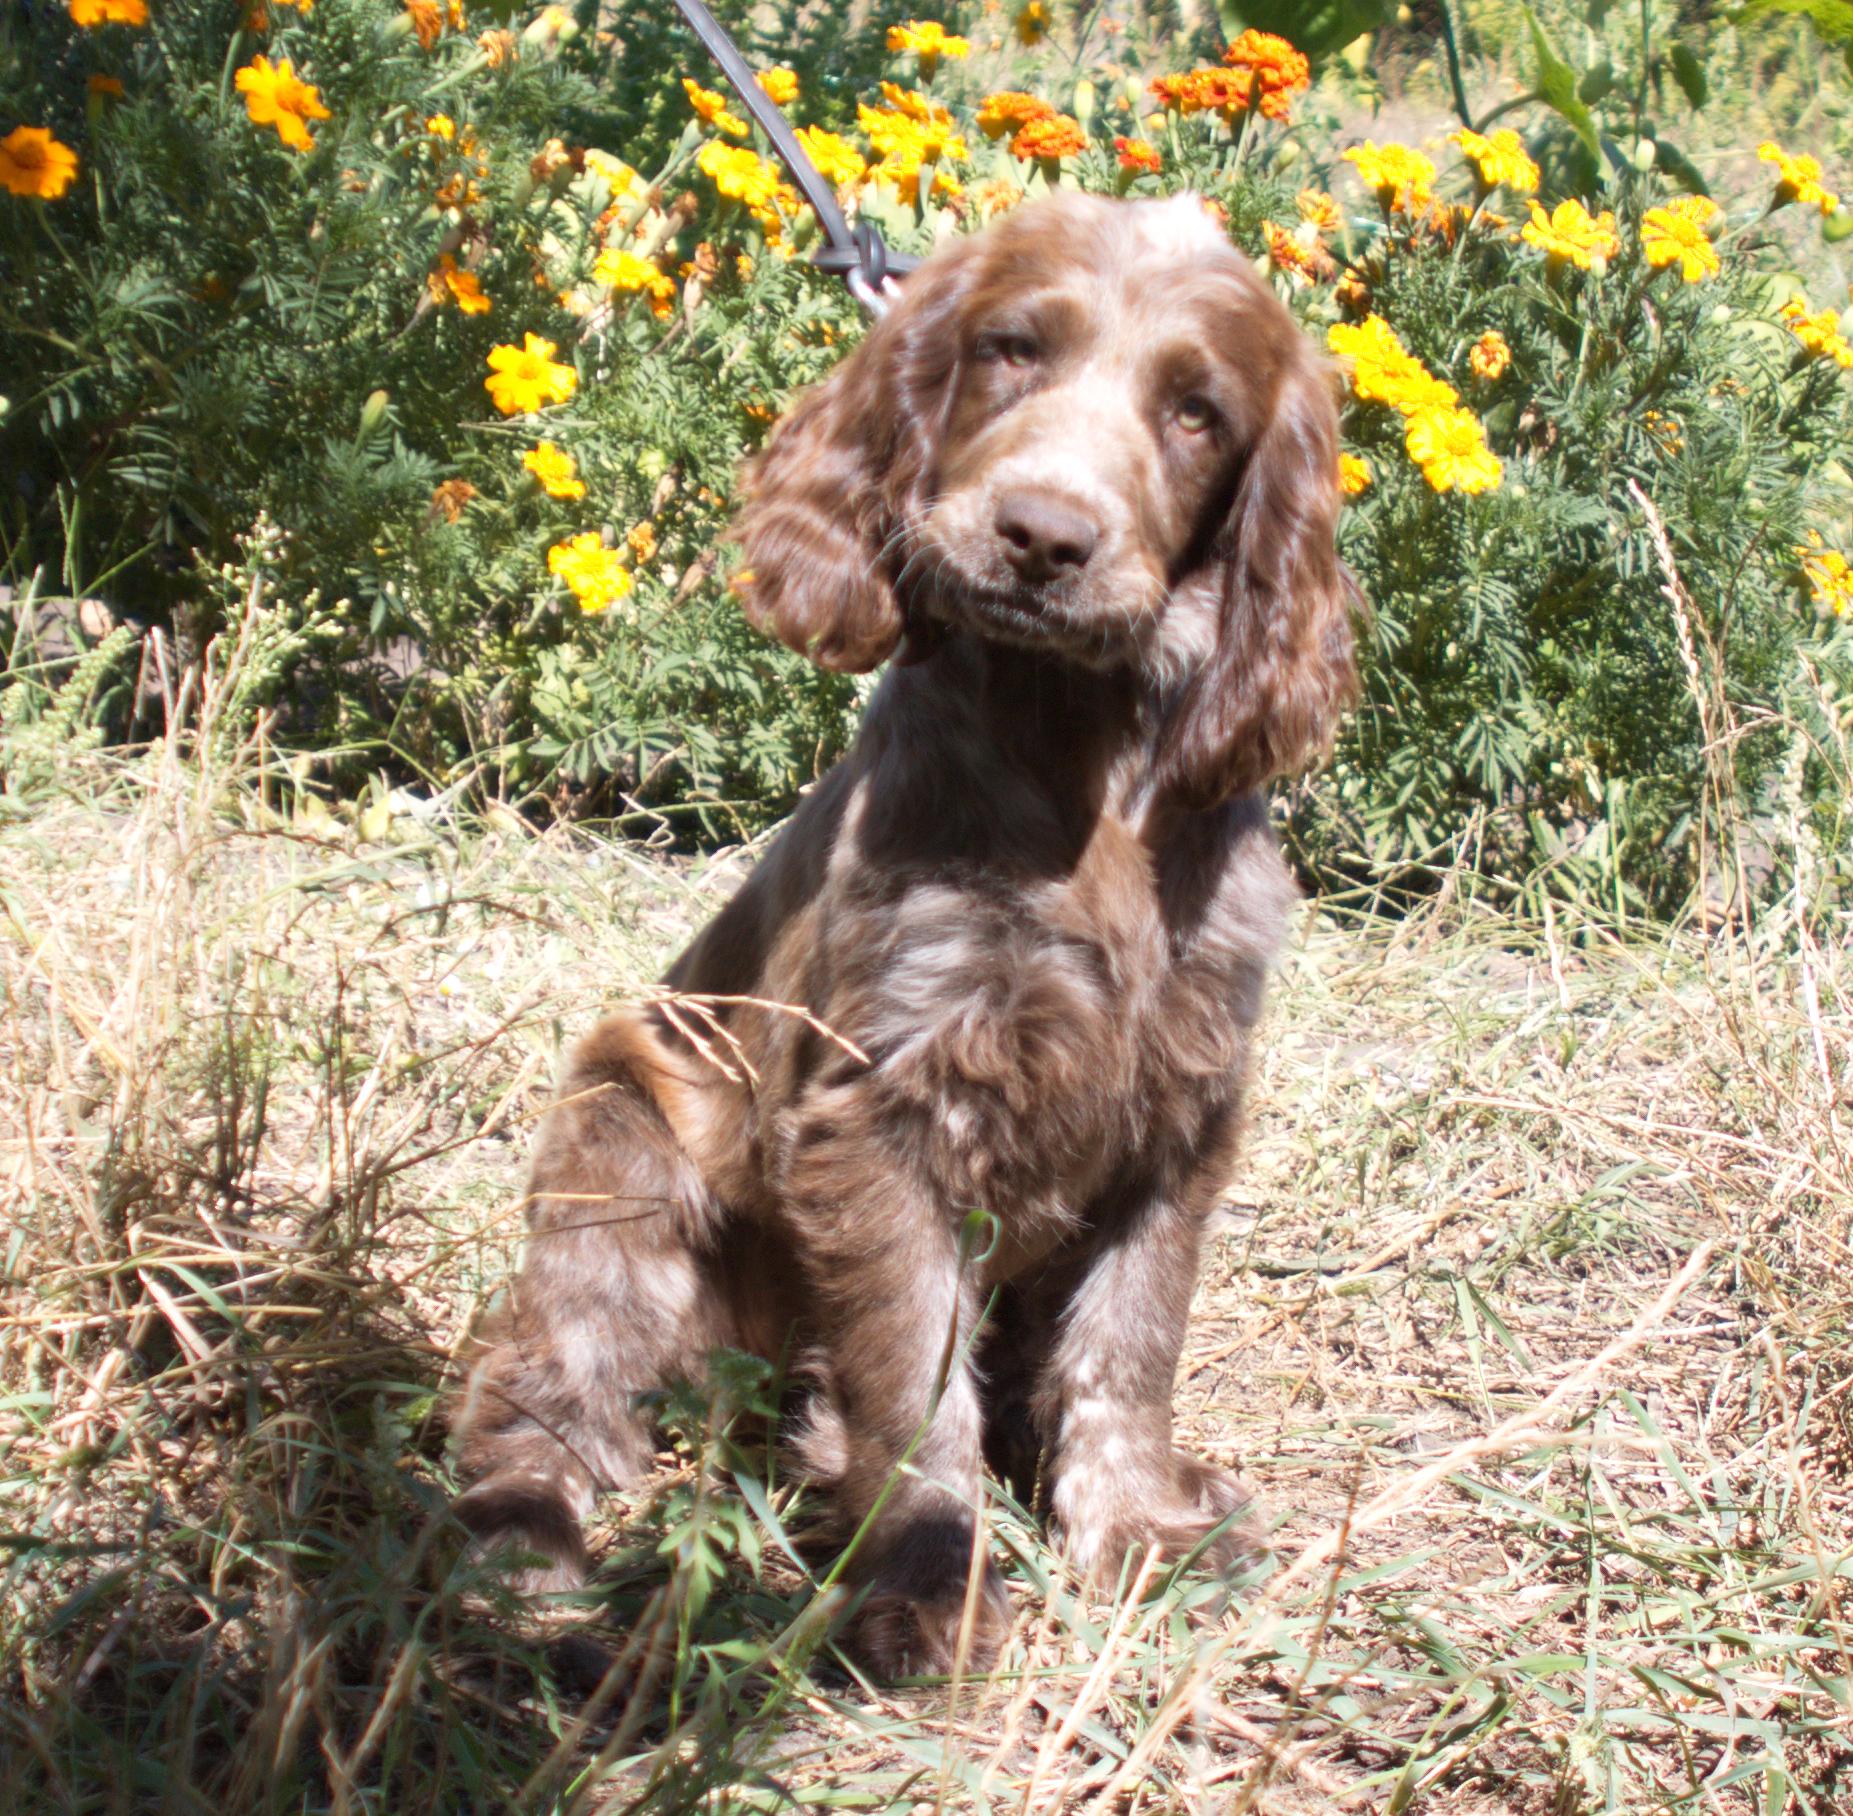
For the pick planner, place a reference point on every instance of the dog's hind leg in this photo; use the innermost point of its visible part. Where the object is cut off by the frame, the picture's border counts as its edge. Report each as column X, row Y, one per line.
column 617, row 1295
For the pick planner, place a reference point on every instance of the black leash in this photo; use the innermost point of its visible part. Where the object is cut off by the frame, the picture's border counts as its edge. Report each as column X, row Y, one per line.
column 859, row 255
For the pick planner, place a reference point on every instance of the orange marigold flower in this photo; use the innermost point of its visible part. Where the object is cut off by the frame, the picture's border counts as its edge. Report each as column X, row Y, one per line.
column 498, row 47
column 781, row 85
column 1057, row 137
column 1010, row 111
column 92, row 13
column 1299, row 255
column 450, row 498
column 33, row 163
column 448, row 284
column 1278, row 70
column 1224, row 91
column 277, row 96
column 427, row 21
column 1490, row 355
column 642, row 540
column 1137, row 154
column 104, row 85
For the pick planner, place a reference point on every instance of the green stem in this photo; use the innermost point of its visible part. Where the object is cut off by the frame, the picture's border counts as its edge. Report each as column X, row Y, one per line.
column 1454, row 66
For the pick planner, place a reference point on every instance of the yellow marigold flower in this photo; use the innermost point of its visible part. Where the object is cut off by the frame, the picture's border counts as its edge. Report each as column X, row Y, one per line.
column 1056, row 137
column 1032, row 23
column 928, row 40
column 1450, row 448
column 623, row 270
column 839, row 163
column 448, row 284
column 527, row 378
column 1007, row 112
column 441, row 126
column 1675, row 235
column 1318, row 210
column 711, row 107
column 1798, row 179
column 1137, row 154
column 1500, row 158
column 553, row 466
column 593, row 574
column 1828, row 573
column 1277, row 71
column 33, row 163
column 1400, row 175
column 1490, row 355
column 781, row 85
column 1819, row 333
column 1384, row 371
column 615, row 171
column 1569, row 232
column 739, row 174
column 1664, row 429
column 277, row 96
column 913, row 135
column 913, row 105
column 92, row 13
column 1354, row 475
column 642, row 540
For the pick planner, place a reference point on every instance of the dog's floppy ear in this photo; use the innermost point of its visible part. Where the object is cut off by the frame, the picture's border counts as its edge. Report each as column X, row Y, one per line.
column 826, row 496
column 1268, row 699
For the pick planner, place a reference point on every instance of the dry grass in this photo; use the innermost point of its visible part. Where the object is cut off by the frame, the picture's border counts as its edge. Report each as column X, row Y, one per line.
column 1528, row 1321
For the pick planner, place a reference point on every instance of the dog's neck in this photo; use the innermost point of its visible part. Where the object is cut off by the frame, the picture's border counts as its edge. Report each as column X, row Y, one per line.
column 1081, row 736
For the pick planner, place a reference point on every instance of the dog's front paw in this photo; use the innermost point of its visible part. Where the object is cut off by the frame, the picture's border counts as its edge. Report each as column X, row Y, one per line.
column 902, row 1636
column 1179, row 1507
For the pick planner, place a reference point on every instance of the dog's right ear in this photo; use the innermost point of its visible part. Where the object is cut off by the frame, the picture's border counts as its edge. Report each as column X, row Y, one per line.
column 825, row 499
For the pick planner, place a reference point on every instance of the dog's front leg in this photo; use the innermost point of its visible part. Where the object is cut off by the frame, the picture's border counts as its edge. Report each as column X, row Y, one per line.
column 896, row 1307
column 1114, row 1480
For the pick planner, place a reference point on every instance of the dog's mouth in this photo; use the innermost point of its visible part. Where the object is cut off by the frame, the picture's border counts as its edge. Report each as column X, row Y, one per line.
column 1059, row 618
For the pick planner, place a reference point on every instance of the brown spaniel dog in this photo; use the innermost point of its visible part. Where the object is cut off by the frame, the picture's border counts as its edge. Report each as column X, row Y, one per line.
column 1084, row 479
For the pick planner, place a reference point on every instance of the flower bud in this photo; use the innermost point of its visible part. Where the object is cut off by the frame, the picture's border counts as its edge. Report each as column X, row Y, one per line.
column 1084, row 101
column 373, row 412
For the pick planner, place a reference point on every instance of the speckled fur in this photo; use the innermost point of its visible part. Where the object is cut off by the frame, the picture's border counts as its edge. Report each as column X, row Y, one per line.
column 1040, row 899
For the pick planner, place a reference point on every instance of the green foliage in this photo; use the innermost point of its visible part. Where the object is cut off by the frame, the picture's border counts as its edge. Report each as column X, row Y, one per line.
column 1526, row 679
column 215, row 330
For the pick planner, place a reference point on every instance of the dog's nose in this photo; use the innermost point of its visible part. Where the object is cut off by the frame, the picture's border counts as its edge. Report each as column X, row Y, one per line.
column 1044, row 534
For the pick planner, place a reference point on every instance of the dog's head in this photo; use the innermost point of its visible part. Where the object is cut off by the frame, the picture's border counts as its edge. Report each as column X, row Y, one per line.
column 1093, row 431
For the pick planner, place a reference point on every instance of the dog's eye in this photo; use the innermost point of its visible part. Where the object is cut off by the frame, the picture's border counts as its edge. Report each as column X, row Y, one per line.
column 1194, row 414
column 1010, row 349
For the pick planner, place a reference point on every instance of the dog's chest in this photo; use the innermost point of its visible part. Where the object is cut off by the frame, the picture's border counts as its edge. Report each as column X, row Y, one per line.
column 1040, row 1037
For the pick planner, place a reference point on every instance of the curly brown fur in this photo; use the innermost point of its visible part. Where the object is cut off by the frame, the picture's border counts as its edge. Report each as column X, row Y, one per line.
column 1088, row 468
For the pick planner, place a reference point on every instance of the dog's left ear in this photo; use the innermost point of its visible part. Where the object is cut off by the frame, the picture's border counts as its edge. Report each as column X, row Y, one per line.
column 825, row 497
column 1268, row 699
